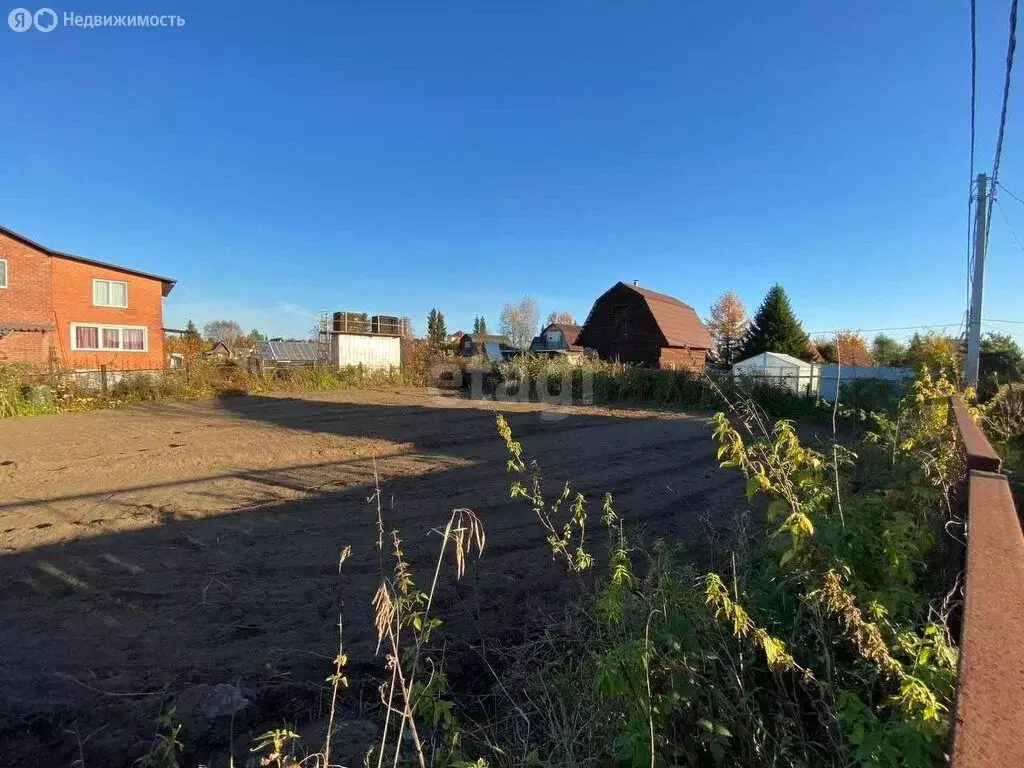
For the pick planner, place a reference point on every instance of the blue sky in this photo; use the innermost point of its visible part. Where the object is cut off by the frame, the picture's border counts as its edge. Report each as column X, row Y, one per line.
column 281, row 159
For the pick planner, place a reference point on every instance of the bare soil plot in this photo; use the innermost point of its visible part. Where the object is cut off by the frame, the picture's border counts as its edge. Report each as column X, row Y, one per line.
column 151, row 553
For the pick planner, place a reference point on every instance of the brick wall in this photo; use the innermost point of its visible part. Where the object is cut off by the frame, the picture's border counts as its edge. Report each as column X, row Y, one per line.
column 26, row 299
column 72, row 303
column 26, row 347
column 680, row 359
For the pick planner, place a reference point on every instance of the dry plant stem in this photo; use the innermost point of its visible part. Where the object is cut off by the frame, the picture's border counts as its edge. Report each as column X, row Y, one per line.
column 647, row 675
column 450, row 532
column 380, row 518
column 835, row 450
column 407, row 697
column 387, row 717
column 334, row 692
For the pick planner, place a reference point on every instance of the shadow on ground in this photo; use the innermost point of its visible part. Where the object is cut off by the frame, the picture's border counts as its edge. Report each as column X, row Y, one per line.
column 103, row 632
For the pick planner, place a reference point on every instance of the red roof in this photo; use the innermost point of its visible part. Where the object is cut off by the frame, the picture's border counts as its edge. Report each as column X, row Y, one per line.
column 570, row 333
column 678, row 322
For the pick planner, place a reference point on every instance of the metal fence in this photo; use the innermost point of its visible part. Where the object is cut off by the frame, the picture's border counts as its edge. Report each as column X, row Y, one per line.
column 832, row 377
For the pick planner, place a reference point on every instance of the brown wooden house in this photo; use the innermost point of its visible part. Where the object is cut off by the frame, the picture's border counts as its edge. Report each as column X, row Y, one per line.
column 635, row 325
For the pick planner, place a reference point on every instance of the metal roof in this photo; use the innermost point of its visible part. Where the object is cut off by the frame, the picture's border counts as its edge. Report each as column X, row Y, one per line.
column 289, row 351
column 678, row 322
column 493, row 350
column 167, row 283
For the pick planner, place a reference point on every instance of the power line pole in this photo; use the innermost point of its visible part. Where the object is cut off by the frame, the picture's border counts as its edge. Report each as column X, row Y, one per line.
column 977, row 284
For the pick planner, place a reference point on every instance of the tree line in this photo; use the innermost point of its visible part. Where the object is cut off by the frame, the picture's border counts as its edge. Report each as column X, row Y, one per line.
column 775, row 328
column 518, row 323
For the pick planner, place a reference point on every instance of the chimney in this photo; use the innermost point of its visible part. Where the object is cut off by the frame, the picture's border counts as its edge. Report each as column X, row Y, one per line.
column 636, row 282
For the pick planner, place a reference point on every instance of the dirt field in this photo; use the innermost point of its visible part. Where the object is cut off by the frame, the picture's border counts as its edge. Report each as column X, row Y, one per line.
column 151, row 553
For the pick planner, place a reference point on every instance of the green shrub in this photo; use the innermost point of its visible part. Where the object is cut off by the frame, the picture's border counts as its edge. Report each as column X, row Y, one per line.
column 817, row 645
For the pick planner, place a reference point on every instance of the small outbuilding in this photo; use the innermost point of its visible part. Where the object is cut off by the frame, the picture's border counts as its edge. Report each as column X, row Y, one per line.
column 558, row 340
column 219, row 351
column 636, row 325
column 489, row 346
column 781, row 370
column 292, row 352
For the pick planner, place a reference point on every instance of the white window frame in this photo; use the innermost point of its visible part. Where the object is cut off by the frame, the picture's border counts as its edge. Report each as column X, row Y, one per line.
column 7, row 273
column 107, row 280
column 100, row 327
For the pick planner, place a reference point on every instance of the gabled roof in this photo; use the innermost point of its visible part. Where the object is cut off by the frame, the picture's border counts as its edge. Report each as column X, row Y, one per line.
column 167, row 283
column 569, row 332
column 678, row 322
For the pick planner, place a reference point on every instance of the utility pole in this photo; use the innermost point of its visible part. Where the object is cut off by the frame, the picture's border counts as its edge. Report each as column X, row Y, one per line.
column 977, row 285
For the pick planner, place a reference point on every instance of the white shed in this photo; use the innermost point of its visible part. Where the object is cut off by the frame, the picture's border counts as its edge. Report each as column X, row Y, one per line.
column 365, row 349
column 781, row 370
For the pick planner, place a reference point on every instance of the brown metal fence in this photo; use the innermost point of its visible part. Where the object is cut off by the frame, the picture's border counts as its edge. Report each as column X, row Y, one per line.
column 989, row 724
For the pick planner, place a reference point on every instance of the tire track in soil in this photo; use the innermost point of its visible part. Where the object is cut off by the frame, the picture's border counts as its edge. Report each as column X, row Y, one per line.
column 223, row 588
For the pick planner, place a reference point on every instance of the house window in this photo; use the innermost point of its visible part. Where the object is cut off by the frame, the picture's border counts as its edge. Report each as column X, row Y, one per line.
column 127, row 338
column 109, row 293
column 3, row 273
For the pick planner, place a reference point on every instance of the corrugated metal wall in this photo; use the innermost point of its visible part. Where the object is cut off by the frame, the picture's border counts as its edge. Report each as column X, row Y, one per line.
column 830, row 377
column 368, row 351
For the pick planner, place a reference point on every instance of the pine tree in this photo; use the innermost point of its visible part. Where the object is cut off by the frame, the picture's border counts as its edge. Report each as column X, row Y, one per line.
column 437, row 331
column 483, row 326
column 775, row 328
column 476, row 325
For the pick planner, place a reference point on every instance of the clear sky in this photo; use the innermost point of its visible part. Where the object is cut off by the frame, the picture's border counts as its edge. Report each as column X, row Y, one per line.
column 286, row 158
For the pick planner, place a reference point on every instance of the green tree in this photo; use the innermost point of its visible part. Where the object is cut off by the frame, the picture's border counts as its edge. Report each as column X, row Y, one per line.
column 775, row 328
column 935, row 350
column 483, row 326
column 437, row 331
column 887, row 351
column 1001, row 358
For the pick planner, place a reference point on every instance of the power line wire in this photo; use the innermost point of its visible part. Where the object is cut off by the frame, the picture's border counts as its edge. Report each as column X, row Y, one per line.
column 893, row 328
column 1012, row 322
column 1009, row 226
column 974, row 79
column 1011, row 48
column 970, row 179
column 1015, row 197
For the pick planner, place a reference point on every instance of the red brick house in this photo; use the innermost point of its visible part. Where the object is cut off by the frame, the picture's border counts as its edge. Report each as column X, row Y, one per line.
column 636, row 325
column 58, row 308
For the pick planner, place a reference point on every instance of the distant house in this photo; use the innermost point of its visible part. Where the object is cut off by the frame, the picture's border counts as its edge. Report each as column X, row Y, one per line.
column 281, row 352
column 219, row 351
column 486, row 345
column 558, row 339
column 636, row 325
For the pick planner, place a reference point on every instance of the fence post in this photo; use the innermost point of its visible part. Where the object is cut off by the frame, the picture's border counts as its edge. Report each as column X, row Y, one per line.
column 103, row 380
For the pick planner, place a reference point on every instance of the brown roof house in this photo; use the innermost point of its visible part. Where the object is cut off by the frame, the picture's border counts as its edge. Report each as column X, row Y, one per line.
column 558, row 339
column 635, row 325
